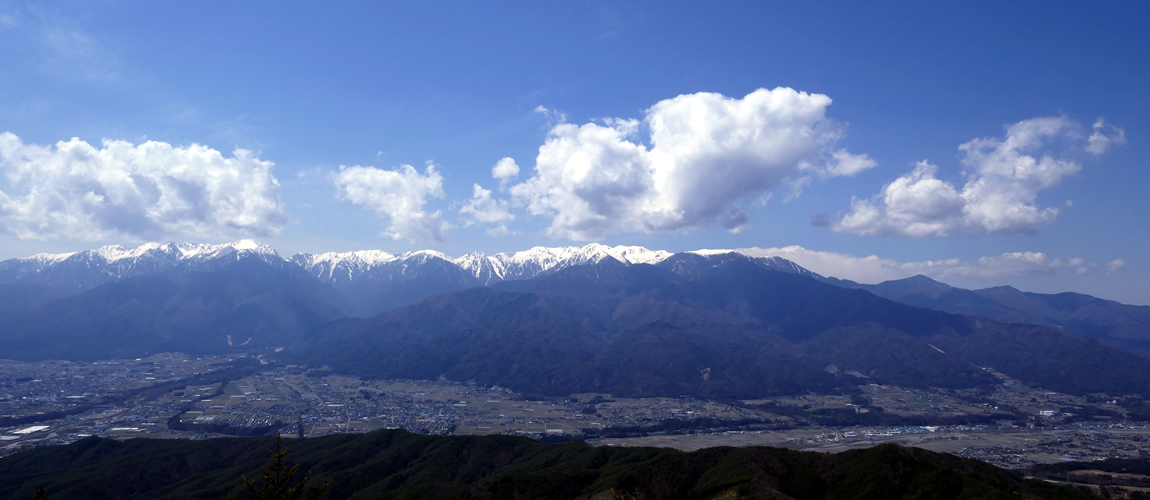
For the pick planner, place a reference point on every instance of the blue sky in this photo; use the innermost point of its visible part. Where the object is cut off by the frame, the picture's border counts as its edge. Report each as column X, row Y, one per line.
column 1055, row 203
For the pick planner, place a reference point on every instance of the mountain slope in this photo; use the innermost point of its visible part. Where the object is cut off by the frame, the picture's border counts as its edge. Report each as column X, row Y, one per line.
column 719, row 326
column 1122, row 326
column 377, row 281
column 64, row 275
column 397, row 464
column 270, row 304
column 772, row 325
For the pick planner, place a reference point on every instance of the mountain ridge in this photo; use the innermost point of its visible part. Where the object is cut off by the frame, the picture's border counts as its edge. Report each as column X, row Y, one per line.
column 375, row 281
column 718, row 326
column 521, row 264
column 1120, row 325
column 711, row 324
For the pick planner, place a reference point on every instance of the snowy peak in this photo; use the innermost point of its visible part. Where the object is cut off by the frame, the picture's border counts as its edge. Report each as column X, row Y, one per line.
column 588, row 254
column 238, row 249
column 372, row 279
column 114, row 262
column 118, row 261
column 359, row 259
column 541, row 259
column 639, row 255
column 46, row 259
column 181, row 251
column 342, row 266
column 422, row 256
column 487, row 269
column 113, row 253
column 334, row 267
column 90, row 268
column 527, row 264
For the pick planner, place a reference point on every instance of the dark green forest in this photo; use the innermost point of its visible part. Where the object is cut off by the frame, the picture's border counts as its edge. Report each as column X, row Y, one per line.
column 395, row 464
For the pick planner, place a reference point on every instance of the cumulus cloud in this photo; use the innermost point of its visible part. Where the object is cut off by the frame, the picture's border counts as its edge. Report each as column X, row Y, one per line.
column 145, row 191
column 399, row 194
column 1003, row 179
column 483, row 208
column 1115, row 265
column 708, row 156
column 916, row 204
column 873, row 269
column 504, row 171
column 1103, row 136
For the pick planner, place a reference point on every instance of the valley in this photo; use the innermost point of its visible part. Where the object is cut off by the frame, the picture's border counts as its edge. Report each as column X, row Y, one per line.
column 168, row 396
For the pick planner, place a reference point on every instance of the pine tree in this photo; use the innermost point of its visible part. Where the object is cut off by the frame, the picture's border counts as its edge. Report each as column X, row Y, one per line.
column 277, row 480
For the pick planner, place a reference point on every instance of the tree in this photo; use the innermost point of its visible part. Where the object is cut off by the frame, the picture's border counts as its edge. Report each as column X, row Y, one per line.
column 41, row 494
column 277, row 481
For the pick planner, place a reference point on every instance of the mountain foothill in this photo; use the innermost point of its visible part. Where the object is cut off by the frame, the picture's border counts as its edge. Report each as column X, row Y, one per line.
column 395, row 464
column 558, row 321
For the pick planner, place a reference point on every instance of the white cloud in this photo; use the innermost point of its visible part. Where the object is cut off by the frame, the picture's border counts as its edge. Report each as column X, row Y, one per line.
column 916, row 204
column 1003, row 180
column 499, row 230
column 401, row 195
column 1099, row 141
column 709, row 155
column 75, row 190
column 1115, row 265
column 552, row 115
column 846, row 164
column 873, row 269
column 504, row 171
column 483, row 208
column 1007, row 264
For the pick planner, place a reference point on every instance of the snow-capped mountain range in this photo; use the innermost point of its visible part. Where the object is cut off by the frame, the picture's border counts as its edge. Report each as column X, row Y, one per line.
column 372, row 279
column 114, row 262
column 488, row 269
column 87, row 269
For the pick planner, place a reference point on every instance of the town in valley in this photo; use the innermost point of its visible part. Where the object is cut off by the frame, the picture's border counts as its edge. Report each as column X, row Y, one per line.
column 178, row 396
